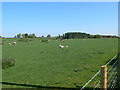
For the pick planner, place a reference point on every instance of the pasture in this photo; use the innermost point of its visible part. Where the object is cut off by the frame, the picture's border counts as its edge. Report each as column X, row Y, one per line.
column 45, row 64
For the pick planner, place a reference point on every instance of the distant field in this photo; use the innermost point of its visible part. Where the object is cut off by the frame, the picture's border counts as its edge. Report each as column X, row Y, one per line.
column 45, row 64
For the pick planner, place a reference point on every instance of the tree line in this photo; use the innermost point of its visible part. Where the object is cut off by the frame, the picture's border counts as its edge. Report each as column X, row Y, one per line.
column 68, row 35
column 78, row 35
column 26, row 35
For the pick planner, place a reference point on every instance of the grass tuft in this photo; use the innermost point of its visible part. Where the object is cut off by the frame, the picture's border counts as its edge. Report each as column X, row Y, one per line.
column 8, row 62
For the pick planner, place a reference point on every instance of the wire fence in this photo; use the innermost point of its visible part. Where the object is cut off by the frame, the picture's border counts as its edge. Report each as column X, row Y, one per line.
column 95, row 81
column 112, row 76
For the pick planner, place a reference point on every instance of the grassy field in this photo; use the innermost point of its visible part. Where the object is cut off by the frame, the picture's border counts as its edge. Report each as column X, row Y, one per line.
column 45, row 64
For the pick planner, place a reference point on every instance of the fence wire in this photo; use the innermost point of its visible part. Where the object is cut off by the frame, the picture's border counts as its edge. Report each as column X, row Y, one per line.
column 112, row 76
column 94, row 82
column 93, row 78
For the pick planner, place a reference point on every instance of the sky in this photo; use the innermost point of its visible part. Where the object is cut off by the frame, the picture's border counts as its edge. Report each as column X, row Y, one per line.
column 60, row 0
column 43, row 18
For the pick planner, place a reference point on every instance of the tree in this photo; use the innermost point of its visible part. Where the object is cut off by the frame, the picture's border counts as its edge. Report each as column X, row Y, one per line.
column 63, row 36
column 74, row 35
column 30, row 36
column 19, row 35
column 59, row 35
column 48, row 35
column 26, row 35
column 33, row 35
column 97, row 36
column 15, row 36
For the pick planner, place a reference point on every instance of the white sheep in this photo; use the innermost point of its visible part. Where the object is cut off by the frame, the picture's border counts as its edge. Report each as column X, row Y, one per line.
column 10, row 44
column 61, row 46
column 14, row 43
column 66, row 46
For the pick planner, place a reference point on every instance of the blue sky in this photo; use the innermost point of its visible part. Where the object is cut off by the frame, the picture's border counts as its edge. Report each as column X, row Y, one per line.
column 43, row 18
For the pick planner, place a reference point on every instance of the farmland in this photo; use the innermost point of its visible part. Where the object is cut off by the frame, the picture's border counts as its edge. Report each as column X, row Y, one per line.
column 45, row 64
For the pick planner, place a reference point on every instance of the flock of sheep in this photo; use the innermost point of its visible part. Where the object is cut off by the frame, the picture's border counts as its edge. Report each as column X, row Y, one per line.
column 12, row 43
column 61, row 46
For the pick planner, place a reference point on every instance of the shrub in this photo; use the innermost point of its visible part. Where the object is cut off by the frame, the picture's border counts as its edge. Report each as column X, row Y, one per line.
column 44, row 40
column 8, row 62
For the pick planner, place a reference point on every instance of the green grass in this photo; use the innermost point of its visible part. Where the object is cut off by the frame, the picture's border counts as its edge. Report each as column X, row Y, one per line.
column 45, row 64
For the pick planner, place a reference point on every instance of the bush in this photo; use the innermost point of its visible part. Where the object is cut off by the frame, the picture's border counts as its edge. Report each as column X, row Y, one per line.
column 44, row 40
column 8, row 62
column 23, row 40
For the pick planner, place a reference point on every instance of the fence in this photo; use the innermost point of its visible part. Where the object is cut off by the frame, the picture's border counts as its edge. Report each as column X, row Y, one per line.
column 105, row 79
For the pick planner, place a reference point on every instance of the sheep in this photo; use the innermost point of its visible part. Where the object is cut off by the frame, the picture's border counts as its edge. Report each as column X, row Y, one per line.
column 66, row 46
column 61, row 46
column 9, row 43
column 14, row 43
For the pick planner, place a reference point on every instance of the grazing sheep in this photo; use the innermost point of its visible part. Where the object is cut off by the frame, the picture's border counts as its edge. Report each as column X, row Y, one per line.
column 66, row 46
column 14, row 43
column 10, row 44
column 61, row 46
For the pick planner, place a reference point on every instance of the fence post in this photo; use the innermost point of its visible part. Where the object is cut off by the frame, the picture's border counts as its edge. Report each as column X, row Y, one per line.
column 104, row 77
